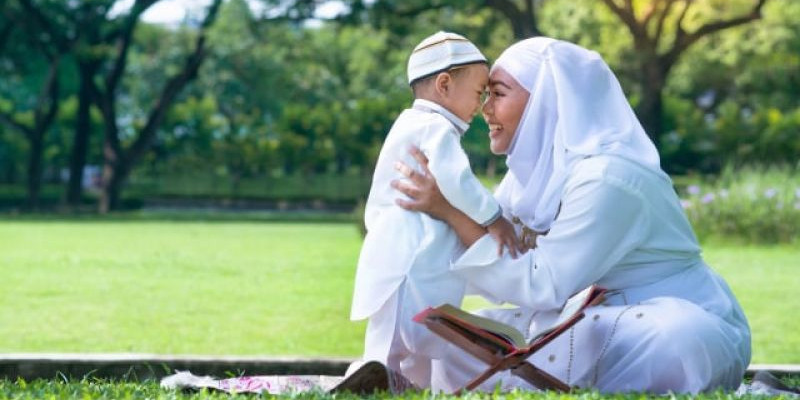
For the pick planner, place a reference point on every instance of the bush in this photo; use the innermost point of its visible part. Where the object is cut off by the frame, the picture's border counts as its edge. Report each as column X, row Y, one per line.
column 705, row 141
column 756, row 204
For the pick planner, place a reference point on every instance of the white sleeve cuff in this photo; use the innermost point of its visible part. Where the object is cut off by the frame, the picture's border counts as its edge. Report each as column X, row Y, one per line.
column 494, row 218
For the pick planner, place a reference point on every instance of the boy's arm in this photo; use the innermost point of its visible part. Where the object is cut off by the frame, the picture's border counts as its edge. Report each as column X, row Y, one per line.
column 450, row 166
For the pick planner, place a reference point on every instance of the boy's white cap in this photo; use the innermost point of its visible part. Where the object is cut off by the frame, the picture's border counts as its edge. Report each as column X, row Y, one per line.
column 440, row 52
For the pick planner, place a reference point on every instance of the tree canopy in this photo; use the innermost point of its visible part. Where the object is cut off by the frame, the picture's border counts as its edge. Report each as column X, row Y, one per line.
column 244, row 92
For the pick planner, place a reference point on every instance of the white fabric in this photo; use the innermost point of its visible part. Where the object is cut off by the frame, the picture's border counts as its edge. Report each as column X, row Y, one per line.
column 459, row 124
column 407, row 254
column 671, row 323
column 440, row 52
column 576, row 109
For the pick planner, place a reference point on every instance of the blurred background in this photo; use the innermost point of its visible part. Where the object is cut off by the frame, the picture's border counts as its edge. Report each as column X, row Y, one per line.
column 119, row 104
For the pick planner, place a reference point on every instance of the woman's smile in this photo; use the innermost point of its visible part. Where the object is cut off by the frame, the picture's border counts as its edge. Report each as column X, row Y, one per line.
column 503, row 109
column 495, row 130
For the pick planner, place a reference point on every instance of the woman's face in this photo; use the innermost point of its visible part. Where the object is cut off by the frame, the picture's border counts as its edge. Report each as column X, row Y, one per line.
column 503, row 109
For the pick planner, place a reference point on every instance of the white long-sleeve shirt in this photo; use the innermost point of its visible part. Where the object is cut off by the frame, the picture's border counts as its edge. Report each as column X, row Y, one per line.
column 399, row 241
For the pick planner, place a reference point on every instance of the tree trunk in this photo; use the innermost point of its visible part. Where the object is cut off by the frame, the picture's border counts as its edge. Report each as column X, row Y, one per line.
column 523, row 20
column 114, row 176
column 119, row 161
column 43, row 116
column 654, row 66
column 83, row 127
column 36, row 140
column 524, row 26
column 650, row 109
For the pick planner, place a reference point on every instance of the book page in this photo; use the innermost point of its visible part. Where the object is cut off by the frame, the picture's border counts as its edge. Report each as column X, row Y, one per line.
column 573, row 306
column 507, row 332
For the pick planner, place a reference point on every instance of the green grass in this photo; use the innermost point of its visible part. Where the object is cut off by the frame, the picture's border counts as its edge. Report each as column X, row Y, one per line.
column 766, row 280
column 96, row 389
column 178, row 288
column 257, row 288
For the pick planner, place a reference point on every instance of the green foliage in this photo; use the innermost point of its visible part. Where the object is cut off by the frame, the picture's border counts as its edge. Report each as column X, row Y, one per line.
column 343, row 102
column 733, row 99
column 755, row 65
column 704, row 141
column 11, row 165
column 333, row 188
column 755, row 205
column 276, row 96
column 589, row 24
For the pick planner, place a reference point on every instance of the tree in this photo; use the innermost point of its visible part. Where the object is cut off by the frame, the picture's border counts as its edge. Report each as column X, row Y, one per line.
column 661, row 34
column 249, row 84
column 732, row 100
column 82, row 28
column 119, row 158
column 34, row 120
column 521, row 15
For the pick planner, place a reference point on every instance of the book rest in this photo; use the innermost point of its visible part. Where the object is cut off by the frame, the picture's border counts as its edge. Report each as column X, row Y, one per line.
column 500, row 359
column 502, row 352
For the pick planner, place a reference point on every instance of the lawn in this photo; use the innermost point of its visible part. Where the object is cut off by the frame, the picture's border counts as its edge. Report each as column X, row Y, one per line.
column 257, row 288
column 102, row 389
column 178, row 288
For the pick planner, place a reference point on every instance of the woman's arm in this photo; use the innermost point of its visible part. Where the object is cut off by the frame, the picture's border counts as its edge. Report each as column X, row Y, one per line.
column 468, row 231
column 426, row 197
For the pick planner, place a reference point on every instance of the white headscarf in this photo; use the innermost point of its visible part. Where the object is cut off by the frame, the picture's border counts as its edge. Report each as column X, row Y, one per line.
column 576, row 109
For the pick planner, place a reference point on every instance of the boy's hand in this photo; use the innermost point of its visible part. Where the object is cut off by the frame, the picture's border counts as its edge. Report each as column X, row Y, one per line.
column 503, row 232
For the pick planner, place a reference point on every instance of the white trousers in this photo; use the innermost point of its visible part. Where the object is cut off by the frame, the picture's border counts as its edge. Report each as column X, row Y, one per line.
column 393, row 338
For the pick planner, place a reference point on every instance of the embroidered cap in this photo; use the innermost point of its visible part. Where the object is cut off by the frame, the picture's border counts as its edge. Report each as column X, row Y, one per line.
column 440, row 52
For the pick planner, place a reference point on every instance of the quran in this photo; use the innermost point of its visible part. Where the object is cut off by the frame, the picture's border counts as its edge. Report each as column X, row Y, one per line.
column 503, row 346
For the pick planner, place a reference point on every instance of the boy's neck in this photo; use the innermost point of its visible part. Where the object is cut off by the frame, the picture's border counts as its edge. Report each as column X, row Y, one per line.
column 460, row 125
column 432, row 97
column 435, row 99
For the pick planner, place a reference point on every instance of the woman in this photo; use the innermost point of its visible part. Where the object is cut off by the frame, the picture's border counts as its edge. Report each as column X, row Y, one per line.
column 586, row 190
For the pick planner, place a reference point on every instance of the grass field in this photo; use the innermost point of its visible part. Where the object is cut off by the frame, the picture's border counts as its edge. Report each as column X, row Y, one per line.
column 176, row 288
column 101, row 389
column 258, row 288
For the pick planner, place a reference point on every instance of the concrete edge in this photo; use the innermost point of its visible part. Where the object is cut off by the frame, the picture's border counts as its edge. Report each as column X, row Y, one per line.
column 124, row 366
column 777, row 369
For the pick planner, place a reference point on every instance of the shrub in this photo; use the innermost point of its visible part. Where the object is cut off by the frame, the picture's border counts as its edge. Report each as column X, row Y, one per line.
column 756, row 204
column 703, row 141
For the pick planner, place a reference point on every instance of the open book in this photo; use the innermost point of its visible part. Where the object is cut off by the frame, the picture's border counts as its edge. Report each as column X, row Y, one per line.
column 503, row 338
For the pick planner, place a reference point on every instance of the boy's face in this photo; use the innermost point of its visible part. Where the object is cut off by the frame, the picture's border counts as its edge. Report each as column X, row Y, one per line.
column 467, row 87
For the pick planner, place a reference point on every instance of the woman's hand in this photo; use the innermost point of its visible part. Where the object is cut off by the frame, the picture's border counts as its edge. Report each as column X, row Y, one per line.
column 421, row 187
column 426, row 197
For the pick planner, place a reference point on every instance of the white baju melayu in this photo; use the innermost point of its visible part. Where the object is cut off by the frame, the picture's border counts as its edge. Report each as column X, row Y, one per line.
column 404, row 263
column 582, row 171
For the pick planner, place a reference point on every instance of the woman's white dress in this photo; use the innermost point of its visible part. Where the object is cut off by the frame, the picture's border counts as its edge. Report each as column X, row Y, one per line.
column 670, row 323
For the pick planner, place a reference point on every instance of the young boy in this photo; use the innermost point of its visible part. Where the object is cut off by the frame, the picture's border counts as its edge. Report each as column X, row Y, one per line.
column 448, row 75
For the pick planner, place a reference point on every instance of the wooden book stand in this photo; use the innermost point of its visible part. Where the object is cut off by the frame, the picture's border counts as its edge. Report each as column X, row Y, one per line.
column 497, row 351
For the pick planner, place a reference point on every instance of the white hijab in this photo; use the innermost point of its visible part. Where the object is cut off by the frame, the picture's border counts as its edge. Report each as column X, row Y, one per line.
column 576, row 109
